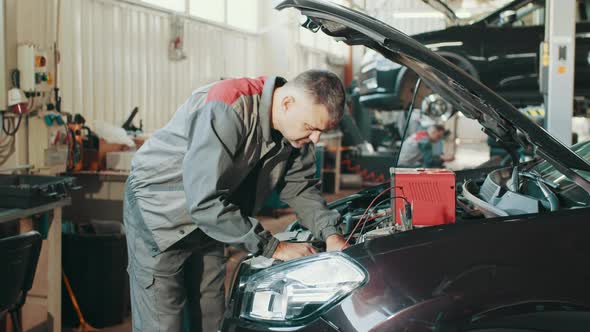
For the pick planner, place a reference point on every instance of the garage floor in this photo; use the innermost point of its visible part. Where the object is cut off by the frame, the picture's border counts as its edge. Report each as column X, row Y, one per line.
column 470, row 155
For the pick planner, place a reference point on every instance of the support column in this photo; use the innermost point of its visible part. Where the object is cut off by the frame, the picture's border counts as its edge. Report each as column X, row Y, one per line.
column 560, row 33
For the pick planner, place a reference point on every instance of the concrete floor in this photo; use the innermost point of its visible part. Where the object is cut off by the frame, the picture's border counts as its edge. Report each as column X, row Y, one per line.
column 470, row 155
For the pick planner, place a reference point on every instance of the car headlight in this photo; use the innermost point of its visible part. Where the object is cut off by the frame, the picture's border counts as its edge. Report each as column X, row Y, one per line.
column 301, row 289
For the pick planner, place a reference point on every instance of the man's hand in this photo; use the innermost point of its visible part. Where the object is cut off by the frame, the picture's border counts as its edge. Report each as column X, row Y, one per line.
column 336, row 242
column 286, row 251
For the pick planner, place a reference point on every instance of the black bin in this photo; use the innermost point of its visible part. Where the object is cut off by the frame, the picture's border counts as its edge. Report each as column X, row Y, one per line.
column 95, row 265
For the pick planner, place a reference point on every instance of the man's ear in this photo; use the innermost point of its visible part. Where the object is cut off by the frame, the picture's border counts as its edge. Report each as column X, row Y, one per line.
column 287, row 102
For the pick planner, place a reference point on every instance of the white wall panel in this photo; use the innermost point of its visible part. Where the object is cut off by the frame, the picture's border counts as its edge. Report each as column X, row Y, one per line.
column 35, row 22
column 115, row 57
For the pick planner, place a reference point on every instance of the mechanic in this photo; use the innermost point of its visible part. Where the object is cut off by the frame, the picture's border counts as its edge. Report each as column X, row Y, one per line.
column 196, row 183
column 418, row 150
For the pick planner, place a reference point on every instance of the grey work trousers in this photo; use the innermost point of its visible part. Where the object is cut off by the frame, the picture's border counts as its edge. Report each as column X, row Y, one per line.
column 188, row 277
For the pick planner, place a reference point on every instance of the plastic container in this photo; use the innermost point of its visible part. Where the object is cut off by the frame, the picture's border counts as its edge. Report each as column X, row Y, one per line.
column 96, row 268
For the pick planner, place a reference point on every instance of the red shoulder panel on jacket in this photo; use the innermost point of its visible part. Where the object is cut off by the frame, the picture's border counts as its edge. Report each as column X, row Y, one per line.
column 228, row 91
column 420, row 135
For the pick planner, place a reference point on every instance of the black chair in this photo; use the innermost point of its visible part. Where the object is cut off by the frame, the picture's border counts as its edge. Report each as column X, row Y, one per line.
column 18, row 262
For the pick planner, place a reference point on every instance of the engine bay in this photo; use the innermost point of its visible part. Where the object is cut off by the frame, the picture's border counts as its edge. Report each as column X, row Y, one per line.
column 418, row 198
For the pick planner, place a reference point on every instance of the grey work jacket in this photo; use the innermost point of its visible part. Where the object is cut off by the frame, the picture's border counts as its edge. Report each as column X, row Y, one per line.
column 417, row 151
column 212, row 166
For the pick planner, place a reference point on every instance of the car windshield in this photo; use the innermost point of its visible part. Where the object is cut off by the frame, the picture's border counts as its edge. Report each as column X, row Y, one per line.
column 567, row 189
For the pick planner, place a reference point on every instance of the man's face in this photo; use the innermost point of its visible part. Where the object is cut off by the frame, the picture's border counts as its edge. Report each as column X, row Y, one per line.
column 436, row 135
column 302, row 121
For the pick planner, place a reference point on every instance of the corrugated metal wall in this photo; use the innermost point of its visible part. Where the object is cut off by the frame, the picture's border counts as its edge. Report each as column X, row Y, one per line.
column 115, row 57
column 36, row 22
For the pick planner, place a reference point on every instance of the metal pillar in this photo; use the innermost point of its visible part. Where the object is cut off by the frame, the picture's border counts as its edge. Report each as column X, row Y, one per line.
column 560, row 42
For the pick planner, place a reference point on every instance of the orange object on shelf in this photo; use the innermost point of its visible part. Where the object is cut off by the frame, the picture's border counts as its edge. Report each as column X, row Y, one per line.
column 75, row 147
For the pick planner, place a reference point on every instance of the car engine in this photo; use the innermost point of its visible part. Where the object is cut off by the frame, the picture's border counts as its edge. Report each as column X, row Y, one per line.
column 506, row 192
column 417, row 198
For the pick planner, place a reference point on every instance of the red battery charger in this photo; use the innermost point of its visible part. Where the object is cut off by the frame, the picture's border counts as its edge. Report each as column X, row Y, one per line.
column 430, row 192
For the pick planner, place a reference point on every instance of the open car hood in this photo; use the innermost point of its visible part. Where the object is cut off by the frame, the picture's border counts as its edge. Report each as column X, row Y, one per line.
column 499, row 118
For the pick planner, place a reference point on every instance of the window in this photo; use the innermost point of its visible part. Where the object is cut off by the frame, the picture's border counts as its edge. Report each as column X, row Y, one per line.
column 212, row 10
column 242, row 14
column 531, row 14
column 175, row 5
column 322, row 42
column 307, row 38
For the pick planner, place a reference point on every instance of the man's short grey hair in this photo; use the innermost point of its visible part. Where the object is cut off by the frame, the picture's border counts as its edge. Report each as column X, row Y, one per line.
column 326, row 89
column 438, row 127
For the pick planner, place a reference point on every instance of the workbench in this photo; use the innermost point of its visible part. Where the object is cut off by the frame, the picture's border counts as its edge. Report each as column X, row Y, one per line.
column 53, row 299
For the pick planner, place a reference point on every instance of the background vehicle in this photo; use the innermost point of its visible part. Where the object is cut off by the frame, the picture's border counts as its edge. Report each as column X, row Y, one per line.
column 501, row 50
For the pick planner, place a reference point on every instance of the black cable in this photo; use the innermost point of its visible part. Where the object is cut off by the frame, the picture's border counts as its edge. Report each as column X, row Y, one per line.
column 8, row 131
column 374, row 208
column 402, row 197
column 7, row 150
column 402, row 190
column 15, row 78
column 416, row 88
column 6, row 142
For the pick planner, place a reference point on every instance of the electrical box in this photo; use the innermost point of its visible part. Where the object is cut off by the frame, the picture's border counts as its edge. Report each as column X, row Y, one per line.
column 32, row 64
column 431, row 192
column 26, row 67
